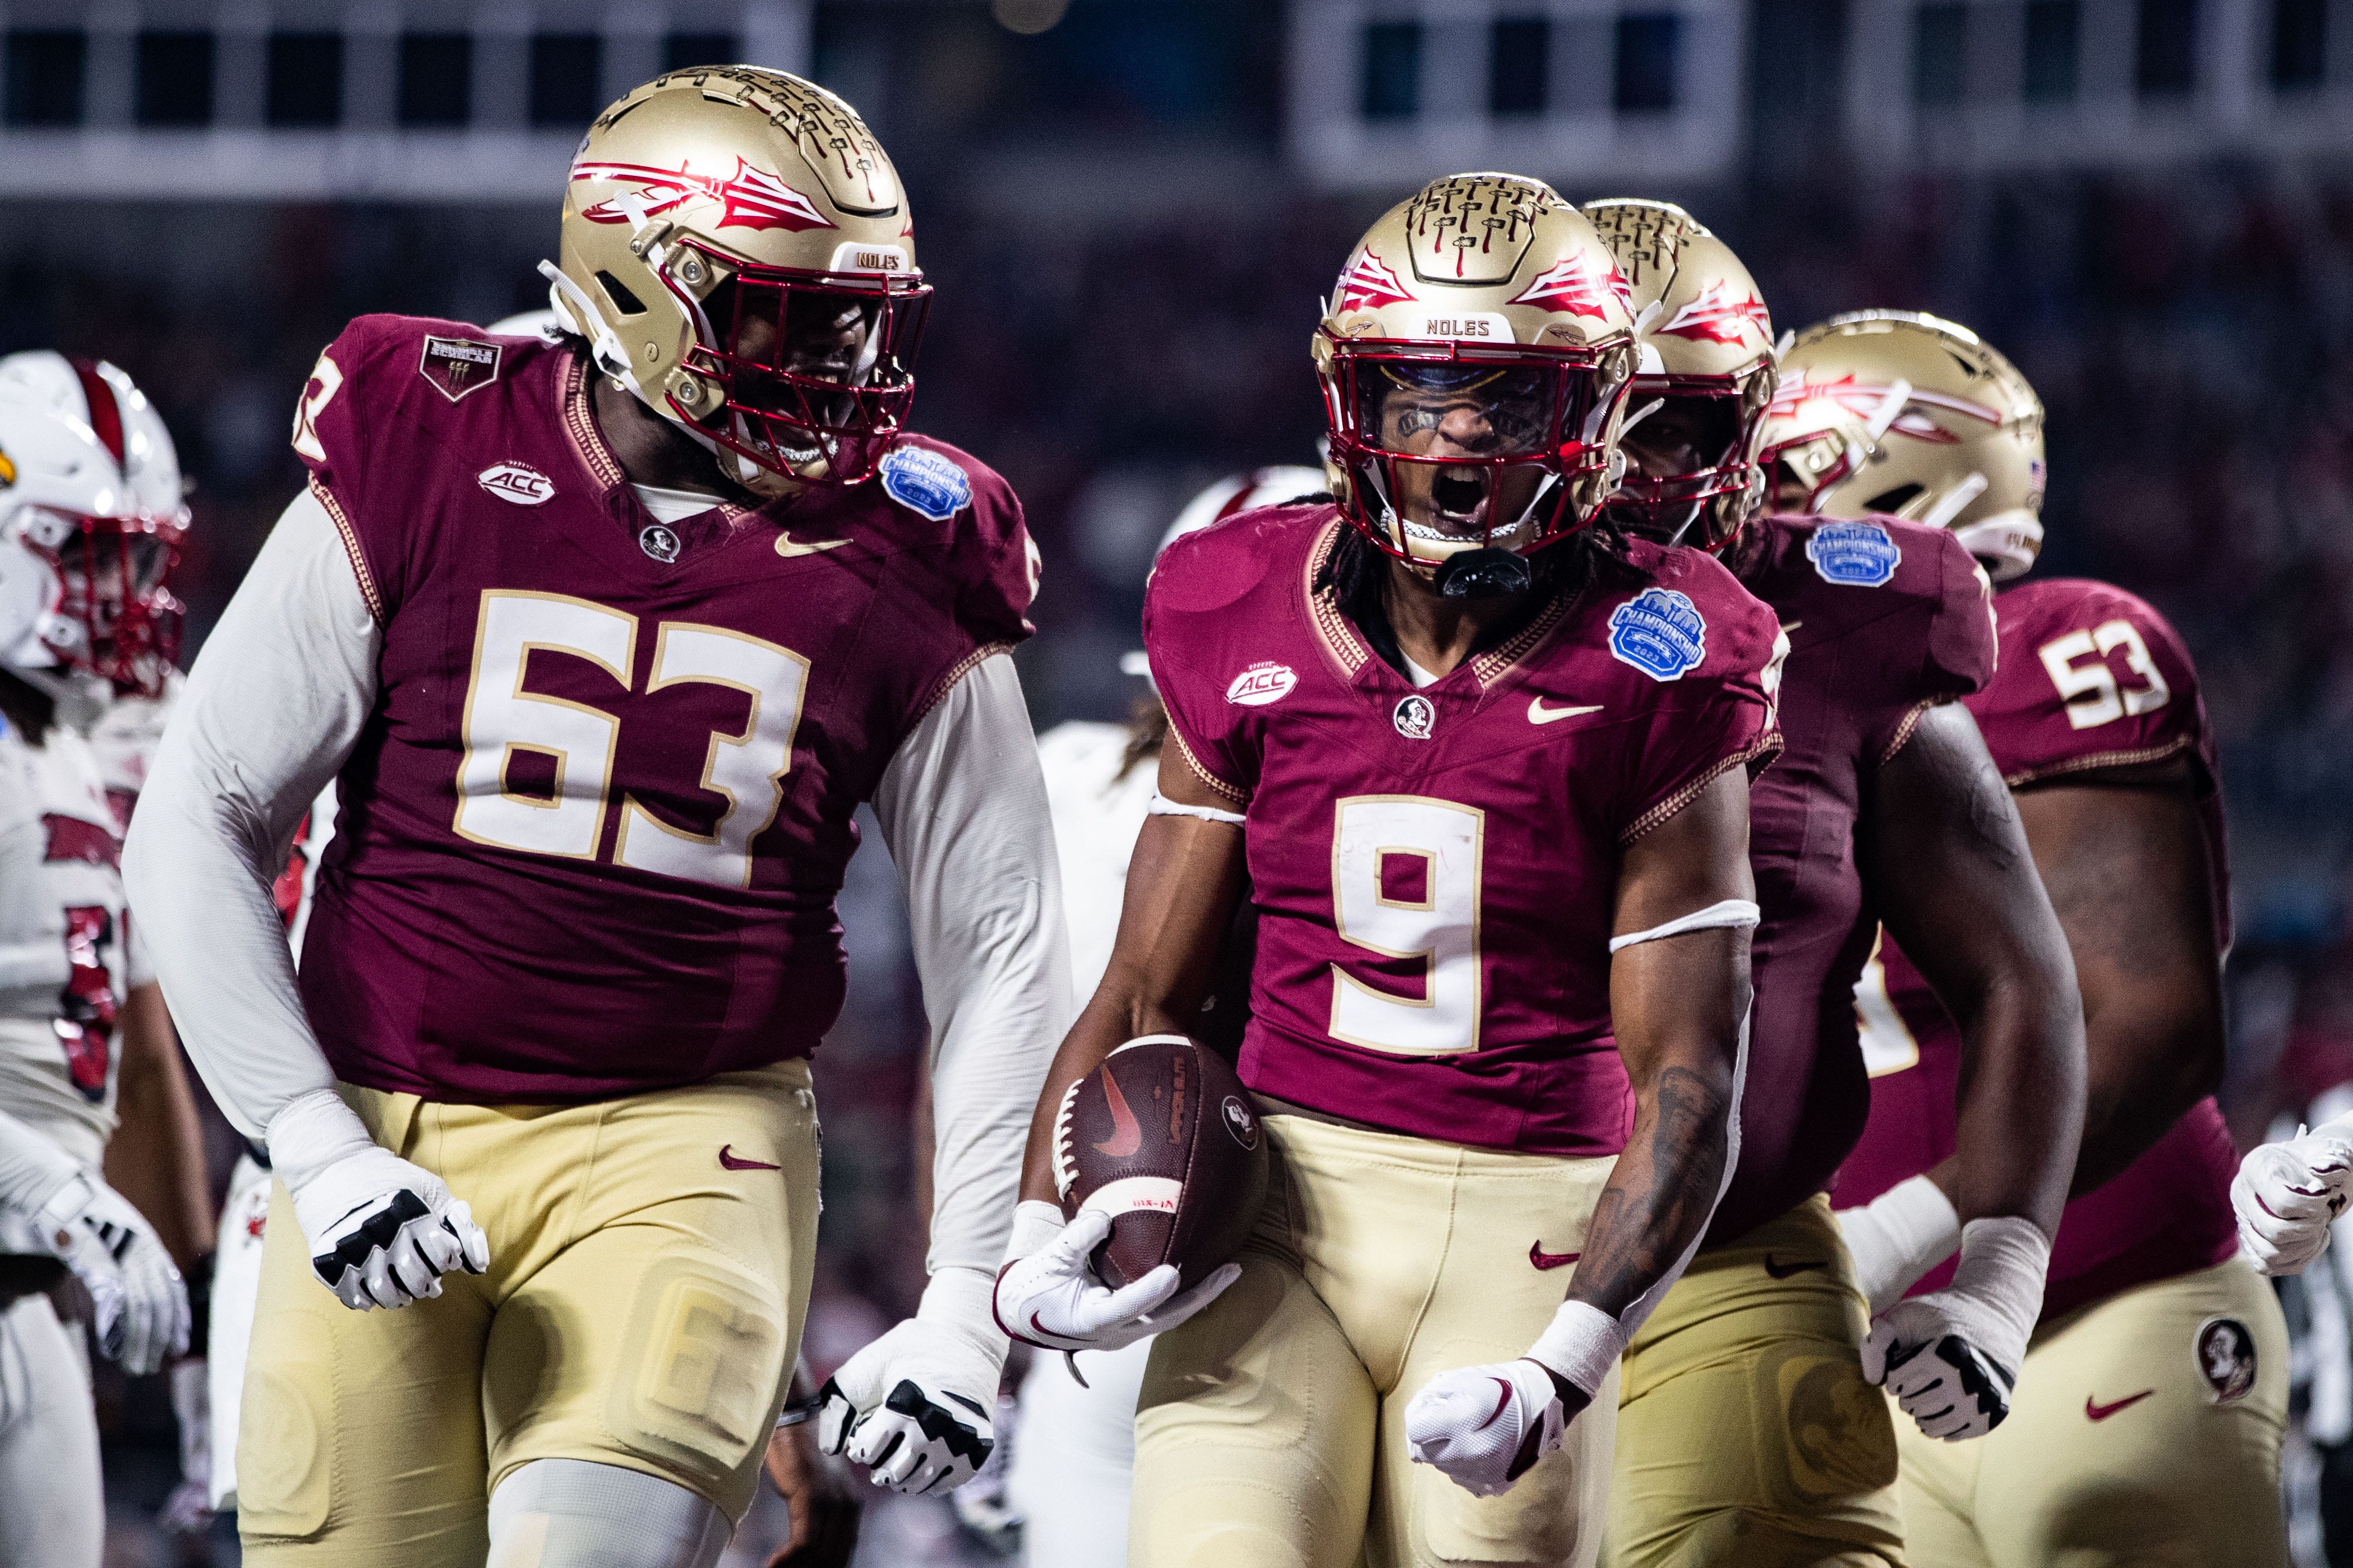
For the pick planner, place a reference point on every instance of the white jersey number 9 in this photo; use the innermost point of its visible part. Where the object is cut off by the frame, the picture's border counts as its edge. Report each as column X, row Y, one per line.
column 1406, row 878
column 503, row 719
column 2092, row 694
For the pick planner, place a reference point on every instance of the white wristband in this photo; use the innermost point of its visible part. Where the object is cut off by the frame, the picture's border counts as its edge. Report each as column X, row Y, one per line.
column 962, row 1301
column 310, row 1133
column 1899, row 1235
column 1997, row 1290
column 1162, row 806
column 1036, row 1222
column 1582, row 1343
column 1723, row 912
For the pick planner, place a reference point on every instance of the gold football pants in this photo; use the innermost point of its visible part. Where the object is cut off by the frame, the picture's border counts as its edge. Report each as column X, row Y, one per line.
column 2146, row 1430
column 1747, row 1433
column 1271, row 1432
column 642, row 1308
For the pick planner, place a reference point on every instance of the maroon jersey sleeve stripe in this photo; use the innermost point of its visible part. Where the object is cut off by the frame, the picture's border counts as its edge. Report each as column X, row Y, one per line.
column 2092, row 762
column 956, row 672
column 1238, row 795
column 1764, row 746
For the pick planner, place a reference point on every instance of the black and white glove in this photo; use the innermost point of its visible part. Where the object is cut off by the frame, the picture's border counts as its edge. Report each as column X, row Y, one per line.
column 914, row 1408
column 1046, row 1295
column 2287, row 1194
column 381, row 1231
column 142, row 1306
column 1485, row 1426
column 1951, row 1357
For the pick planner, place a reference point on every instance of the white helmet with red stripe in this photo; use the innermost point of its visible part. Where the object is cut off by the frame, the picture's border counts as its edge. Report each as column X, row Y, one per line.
column 1246, row 491
column 91, row 517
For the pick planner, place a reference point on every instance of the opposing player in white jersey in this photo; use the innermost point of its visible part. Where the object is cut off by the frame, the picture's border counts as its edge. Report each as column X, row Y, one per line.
column 1076, row 1443
column 75, row 546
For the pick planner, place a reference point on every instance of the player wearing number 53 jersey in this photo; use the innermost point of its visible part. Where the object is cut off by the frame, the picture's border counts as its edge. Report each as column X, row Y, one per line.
column 2150, row 1407
column 1488, row 778
column 599, row 710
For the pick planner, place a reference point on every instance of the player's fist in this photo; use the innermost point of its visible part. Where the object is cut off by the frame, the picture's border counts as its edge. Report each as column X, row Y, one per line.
column 1048, row 1297
column 381, row 1231
column 142, row 1305
column 1950, row 1387
column 2287, row 1194
column 913, row 1407
column 1485, row 1426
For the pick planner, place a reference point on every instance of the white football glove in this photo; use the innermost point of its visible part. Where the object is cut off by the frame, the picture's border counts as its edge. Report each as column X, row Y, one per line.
column 1047, row 1297
column 1951, row 1357
column 2286, row 1194
column 914, row 1408
column 1897, row 1237
column 142, row 1306
column 1485, row 1426
column 381, row 1231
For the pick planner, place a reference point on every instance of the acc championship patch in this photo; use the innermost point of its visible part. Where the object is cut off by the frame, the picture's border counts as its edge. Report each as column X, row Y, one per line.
column 925, row 482
column 1660, row 632
column 1859, row 555
column 457, row 366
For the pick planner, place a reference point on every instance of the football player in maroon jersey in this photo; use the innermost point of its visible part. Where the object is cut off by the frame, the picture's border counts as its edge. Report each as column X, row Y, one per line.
column 1746, row 1411
column 2150, row 1412
column 603, row 641
column 1488, row 776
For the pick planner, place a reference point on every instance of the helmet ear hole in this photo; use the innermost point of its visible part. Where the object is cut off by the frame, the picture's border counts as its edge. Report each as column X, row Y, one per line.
column 627, row 303
column 1894, row 500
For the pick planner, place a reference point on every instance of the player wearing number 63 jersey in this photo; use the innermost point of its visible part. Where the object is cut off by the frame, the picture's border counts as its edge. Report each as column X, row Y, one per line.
column 1488, row 778
column 603, row 641
column 2149, row 1409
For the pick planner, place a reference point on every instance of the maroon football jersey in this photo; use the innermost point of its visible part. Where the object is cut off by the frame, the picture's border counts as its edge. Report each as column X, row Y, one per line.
column 1883, row 618
column 589, row 841
column 1434, row 870
column 2091, row 677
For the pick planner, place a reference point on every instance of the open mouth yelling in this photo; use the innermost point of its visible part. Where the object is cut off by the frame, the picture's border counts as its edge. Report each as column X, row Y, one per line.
column 1459, row 499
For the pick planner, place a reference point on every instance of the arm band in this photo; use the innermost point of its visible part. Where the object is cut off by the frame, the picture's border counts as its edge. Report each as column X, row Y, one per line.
column 1162, row 806
column 1726, row 912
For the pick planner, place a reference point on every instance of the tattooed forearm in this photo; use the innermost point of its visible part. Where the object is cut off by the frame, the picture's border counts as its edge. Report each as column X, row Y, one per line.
column 1661, row 1193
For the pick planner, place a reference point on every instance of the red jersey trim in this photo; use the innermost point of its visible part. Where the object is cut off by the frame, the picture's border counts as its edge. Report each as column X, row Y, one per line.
column 1490, row 667
column 956, row 672
column 1765, row 745
column 1911, row 721
column 351, row 549
column 2093, row 762
column 580, row 427
column 1239, row 796
column 1332, row 628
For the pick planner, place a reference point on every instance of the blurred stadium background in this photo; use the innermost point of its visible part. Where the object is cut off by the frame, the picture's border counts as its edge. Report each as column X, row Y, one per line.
column 1131, row 207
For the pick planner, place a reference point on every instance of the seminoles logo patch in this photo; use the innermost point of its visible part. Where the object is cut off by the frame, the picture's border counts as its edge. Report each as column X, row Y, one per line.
column 517, row 482
column 457, row 366
column 1858, row 554
column 926, row 482
column 1712, row 318
column 1574, row 286
column 1660, row 632
column 1367, row 284
column 748, row 198
column 1263, row 682
column 1416, row 716
column 2225, row 1348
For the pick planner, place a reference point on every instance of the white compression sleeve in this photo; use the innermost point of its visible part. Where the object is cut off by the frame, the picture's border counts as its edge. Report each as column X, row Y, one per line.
column 271, row 710
column 963, row 808
column 32, row 1168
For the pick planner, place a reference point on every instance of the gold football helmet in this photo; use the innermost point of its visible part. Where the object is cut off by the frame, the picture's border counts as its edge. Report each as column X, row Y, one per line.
column 1475, row 357
column 1704, row 379
column 737, row 249
column 1893, row 411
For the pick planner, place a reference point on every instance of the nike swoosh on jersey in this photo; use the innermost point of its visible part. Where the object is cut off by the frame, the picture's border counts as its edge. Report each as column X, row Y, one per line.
column 1783, row 1270
column 1540, row 714
column 788, row 547
column 1543, row 1259
column 1126, row 1137
column 2095, row 1411
column 730, row 1161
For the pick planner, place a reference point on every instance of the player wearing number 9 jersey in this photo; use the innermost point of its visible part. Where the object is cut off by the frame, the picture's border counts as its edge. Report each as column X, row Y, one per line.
column 2151, row 1405
column 1488, row 779
column 599, row 711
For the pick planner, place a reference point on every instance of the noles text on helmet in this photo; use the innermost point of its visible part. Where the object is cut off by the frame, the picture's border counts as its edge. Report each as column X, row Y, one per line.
column 1475, row 356
column 738, row 251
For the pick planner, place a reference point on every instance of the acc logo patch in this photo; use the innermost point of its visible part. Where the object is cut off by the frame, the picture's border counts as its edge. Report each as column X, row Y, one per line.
column 925, row 482
column 1263, row 682
column 2226, row 1358
column 1660, row 632
column 1859, row 555
column 517, row 482
column 457, row 366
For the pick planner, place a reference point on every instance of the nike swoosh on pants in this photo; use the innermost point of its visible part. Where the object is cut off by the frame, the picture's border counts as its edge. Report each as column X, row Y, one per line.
column 2095, row 1411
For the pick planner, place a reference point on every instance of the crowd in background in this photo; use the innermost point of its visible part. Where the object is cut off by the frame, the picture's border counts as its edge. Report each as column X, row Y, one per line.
column 2190, row 332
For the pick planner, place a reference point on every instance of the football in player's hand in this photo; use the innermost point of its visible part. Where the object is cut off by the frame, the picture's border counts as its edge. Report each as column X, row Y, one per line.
column 1163, row 1138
